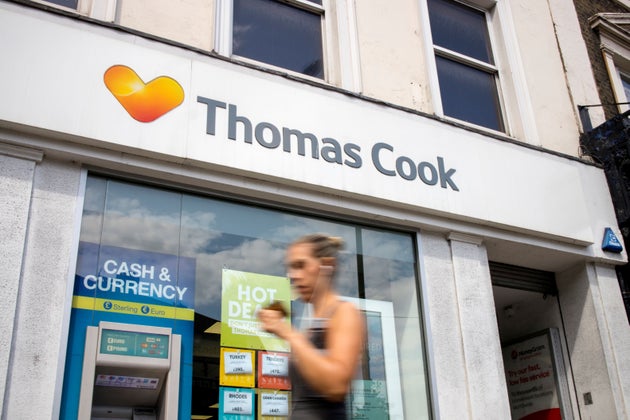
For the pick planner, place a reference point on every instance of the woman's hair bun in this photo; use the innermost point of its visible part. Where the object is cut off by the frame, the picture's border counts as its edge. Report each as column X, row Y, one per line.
column 323, row 245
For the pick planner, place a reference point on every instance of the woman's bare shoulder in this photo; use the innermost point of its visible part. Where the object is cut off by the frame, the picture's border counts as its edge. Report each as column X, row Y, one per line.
column 347, row 311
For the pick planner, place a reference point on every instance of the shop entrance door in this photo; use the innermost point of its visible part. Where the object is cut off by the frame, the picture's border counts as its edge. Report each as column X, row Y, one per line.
column 531, row 333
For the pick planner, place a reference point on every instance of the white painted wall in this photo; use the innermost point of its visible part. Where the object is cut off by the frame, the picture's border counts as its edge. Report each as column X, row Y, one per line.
column 190, row 22
column 38, row 339
column 392, row 53
column 597, row 339
column 578, row 68
column 554, row 115
column 17, row 168
column 464, row 348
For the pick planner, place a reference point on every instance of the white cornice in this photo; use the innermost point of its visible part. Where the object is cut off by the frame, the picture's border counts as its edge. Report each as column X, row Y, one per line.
column 613, row 27
column 464, row 237
column 21, row 152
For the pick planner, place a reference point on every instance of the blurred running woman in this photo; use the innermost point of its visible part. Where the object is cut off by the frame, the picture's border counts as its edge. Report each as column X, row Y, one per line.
column 324, row 357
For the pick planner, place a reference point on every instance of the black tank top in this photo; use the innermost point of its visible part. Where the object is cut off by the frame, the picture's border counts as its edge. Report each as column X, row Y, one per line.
column 308, row 404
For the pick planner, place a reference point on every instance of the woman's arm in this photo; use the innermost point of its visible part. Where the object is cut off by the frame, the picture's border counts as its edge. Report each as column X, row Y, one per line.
column 329, row 372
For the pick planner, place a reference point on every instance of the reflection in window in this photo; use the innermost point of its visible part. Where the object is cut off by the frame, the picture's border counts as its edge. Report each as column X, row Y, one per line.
column 465, row 65
column 72, row 4
column 280, row 34
column 468, row 93
column 625, row 81
column 389, row 270
column 377, row 269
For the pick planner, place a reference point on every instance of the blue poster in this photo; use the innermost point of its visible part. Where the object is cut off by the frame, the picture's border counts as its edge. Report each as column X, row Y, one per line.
column 134, row 287
column 236, row 404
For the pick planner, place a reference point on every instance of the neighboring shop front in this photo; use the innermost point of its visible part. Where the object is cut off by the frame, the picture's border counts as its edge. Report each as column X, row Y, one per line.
column 187, row 176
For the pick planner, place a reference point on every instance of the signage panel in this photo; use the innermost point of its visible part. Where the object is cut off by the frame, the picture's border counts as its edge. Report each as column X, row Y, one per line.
column 237, row 368
column 129, row 343
column 242, row 295
column 130, row 286
column 236, row 404
column 273, row 370
column 535, row 377
column 273, row 405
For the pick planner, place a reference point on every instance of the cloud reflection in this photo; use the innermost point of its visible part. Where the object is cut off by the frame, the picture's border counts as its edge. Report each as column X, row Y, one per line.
column 221, row 234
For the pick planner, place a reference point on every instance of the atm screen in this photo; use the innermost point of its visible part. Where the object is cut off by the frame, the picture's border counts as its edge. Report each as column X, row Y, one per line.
column 129, row 343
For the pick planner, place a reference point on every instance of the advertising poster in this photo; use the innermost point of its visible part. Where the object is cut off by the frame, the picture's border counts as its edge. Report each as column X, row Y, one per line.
column 273, row 405
column 242, row 295
column 273, row 370
column 237, row 368
column 368, row 400
column 129, row 286
column 236, row 404
column 531, row 376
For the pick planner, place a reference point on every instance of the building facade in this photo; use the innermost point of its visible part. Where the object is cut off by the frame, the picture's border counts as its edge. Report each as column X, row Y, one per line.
column 158, row 157
column 605, row 31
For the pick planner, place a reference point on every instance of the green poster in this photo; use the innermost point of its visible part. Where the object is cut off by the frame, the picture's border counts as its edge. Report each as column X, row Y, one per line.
column 242, row 295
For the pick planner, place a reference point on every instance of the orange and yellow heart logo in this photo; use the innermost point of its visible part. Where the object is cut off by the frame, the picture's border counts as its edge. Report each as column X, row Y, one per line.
column 145, row 102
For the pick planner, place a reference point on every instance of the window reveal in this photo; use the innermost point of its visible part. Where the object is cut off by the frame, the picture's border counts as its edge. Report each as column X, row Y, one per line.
column 465, row 65
column 280, row 34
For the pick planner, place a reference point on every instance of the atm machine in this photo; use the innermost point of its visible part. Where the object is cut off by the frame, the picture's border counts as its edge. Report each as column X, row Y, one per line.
column 130, row 372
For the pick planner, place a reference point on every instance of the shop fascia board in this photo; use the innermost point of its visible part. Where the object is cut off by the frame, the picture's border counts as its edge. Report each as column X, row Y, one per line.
column 182, row 174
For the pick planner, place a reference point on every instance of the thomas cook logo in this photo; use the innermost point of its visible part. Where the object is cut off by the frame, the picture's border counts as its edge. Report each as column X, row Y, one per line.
column 145, row 102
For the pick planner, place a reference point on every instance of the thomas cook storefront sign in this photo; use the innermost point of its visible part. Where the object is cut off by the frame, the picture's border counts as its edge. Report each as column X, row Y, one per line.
column 329, row 149
column 146, row 102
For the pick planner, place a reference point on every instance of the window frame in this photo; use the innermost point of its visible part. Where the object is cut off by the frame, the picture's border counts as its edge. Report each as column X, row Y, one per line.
column 487, row 7
column 104, row 10
column 615, row 47
column 340, row 46
column 225, row 29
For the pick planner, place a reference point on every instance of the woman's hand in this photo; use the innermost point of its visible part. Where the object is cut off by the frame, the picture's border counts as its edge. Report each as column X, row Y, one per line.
column 274, row 322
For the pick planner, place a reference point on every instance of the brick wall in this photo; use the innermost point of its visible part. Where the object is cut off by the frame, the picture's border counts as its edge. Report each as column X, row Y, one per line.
column 586, row 9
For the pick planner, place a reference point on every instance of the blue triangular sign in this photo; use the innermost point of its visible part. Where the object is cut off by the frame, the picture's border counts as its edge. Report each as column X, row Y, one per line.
column 611, row 243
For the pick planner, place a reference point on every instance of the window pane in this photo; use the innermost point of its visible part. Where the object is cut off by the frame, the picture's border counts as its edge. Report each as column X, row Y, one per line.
column 221, row 234
column 625, row 81
column 278, row 34
column 389, row 267
column 138, row 217
column 460, row 28
column 66, row 3
column 186, row 241
column 469, row 94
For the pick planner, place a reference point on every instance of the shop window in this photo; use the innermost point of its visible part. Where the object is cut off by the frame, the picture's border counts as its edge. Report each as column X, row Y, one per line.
column 152, row 256
column 466, row 69
column 284, row 34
